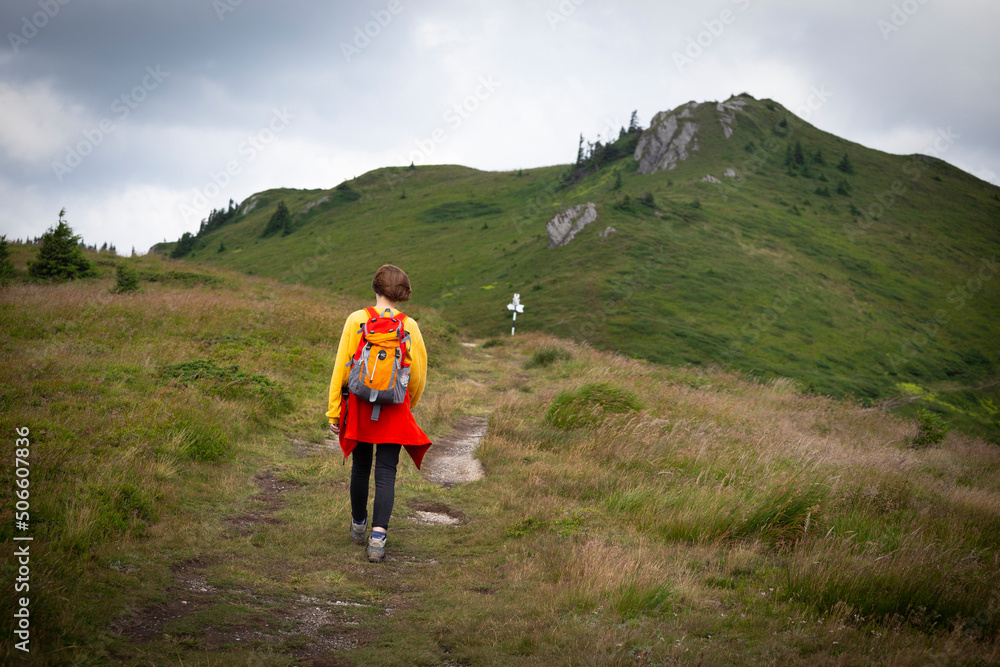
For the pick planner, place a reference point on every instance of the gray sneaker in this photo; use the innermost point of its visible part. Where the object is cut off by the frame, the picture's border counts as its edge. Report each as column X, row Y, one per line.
column 376, row 550
column 358, row 532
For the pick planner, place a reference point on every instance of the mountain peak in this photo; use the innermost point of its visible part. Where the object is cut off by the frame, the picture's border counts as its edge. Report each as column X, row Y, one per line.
column 673, row 136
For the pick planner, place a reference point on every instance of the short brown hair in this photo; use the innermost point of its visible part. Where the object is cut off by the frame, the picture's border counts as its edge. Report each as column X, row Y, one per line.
column 392, row 283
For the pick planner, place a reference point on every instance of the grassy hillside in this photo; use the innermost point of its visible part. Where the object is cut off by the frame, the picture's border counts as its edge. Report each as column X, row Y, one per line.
column 186, row 509
column 880, row 283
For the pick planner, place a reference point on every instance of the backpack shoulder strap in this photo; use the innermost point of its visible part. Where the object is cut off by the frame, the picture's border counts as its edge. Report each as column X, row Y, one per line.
column 372, row 313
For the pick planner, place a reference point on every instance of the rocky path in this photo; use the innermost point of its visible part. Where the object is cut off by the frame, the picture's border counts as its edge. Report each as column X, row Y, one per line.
column 450, row 460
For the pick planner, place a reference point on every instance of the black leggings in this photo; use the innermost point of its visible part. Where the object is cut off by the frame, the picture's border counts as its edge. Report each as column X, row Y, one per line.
column 386, row 460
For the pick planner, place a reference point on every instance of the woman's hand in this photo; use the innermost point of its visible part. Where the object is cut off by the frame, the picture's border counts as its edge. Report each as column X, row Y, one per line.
column 335, row 427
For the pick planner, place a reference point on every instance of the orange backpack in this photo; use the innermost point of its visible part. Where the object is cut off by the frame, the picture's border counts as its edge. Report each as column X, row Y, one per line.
column 379, row 371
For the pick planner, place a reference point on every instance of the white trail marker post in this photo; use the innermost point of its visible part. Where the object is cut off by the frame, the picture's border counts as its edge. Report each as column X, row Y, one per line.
column 516, row 306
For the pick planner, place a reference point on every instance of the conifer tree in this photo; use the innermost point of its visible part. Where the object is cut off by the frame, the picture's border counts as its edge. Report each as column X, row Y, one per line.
column 184, row 245
column 126, row 279
column 845, row 165
column 798, row 155
column 633, row 123
column 6, row 267
column 281, row 221
column 60, row 255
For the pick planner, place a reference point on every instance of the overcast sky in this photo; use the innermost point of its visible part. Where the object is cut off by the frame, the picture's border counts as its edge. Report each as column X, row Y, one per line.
column 139, row 117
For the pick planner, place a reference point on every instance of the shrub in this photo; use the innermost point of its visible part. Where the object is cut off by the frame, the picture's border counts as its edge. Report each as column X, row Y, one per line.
column 546, row 357
column 589, row 404
column 493, row 342
column 624, row 204
column 931, row 429
column 126, row 279
column 345, row 193
column 232, row 383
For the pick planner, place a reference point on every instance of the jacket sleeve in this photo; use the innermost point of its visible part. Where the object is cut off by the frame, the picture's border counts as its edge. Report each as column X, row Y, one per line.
column 339, row 379
column 418, row 361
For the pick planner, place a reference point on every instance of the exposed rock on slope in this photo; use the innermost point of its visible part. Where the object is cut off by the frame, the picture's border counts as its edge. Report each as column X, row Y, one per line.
column 248, row 205
column 727, row 112
column 316, row 203
column 564, row 226
column 662, row 146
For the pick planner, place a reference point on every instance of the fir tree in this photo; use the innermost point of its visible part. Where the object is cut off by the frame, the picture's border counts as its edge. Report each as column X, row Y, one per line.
column 798, row 155
column 845, row 165
column 126, row 279
column 6, row 267
column 184, row 245
column 633, row 123
column 281, row 221
column 60, row 254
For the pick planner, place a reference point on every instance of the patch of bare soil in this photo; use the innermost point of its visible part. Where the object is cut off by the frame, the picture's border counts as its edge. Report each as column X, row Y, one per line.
column 308, row 627
column 304, row 448
column 271, row 490
column 450, row 460
column 435, row 514
column 189, row 594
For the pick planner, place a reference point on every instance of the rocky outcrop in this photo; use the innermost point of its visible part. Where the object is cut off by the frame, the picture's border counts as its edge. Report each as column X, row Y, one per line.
column 248, row 205
column 669, row 140
column 607, row 232
column 564, row 225
column 708, row 178
column 727, row 113
column 729, row 173
column 316, row 203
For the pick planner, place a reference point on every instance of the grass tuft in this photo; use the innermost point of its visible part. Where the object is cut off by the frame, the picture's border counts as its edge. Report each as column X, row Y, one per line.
column 546, row 357
column 589, row 404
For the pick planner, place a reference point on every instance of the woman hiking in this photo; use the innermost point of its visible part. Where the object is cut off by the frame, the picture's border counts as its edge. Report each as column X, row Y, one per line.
column 366, row 426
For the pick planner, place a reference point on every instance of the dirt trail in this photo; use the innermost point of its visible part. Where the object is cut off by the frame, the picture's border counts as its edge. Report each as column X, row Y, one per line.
column 303, row 626
column 450, row 460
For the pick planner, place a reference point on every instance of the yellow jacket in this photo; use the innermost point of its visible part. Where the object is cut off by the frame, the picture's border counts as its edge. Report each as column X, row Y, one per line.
column 416, row 355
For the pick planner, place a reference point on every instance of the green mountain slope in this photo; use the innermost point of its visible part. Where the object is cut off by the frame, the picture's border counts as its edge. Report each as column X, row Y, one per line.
column 876, row 276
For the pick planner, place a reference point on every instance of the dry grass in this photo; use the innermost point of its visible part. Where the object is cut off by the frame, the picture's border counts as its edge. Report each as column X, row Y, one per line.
column 725, row 522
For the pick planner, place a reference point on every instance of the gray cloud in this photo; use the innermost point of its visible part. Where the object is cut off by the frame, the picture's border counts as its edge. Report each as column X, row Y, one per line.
column 377, row 83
